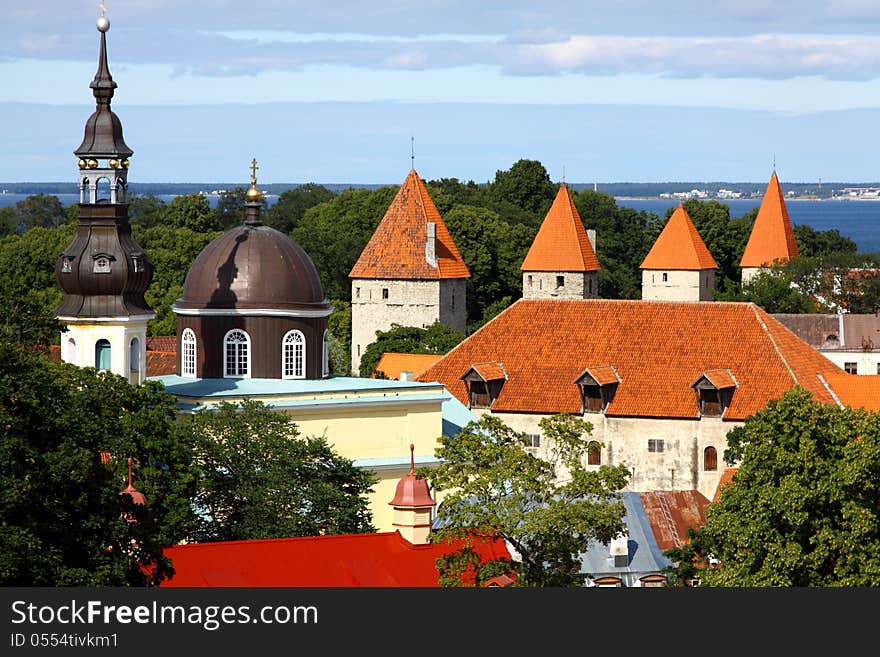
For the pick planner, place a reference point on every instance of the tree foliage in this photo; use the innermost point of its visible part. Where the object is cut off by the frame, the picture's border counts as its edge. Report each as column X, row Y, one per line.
column 286, row 213
column 803, row 508
column 260, row 479
column 60, row 509
column 548, row 511
column 435, row 339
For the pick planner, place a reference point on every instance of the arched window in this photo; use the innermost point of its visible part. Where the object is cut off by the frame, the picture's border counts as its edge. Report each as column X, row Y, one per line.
column 236, row 354
column 710, row 459
column 102, row 354
column 71, row 351
column 594, row 454
column 134, row 360
column 293, row 362
column 188, row 357
column 326, row 352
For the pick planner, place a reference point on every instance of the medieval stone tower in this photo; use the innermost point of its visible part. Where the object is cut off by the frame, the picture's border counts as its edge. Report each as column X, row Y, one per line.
column 772, row 238
column 410, row 272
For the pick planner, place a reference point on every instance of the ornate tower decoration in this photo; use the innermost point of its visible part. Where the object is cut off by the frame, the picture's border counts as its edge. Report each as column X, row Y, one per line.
column 104, row 272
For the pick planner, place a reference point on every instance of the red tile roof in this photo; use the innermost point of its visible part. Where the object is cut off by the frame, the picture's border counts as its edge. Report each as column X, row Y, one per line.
column 679, row 246
column 393, row 364
column 489, row 371
column 856, row 390
column 772, row 237
column 721, row 379
column 562, row 243
column 658, row 348
column 603, row 375
column 383, row 559
column 726, row 478
column 162, row 343
column 671, row 513
column 397, row 248
column 160, row 363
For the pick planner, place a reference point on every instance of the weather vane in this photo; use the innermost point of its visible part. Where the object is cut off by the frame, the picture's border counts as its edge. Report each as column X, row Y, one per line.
column 412, row 152
column 254, row 168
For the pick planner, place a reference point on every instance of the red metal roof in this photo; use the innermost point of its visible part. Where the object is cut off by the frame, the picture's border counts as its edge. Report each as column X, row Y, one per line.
column 561, row 243
column 772, row 237
column 679, row 246
column 397, row 248
column 383, row 559
column 670, row 513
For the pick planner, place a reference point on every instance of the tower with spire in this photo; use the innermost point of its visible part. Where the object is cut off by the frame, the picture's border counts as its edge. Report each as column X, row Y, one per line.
column 103, row 272
column 678, row 267
column 561, row 263
column 772, row 238
column 410, row 272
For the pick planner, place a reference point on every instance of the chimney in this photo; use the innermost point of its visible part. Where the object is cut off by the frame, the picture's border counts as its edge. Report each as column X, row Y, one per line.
column 431, row 244
column 406, row 375
column 619, row 548
column 591, row 234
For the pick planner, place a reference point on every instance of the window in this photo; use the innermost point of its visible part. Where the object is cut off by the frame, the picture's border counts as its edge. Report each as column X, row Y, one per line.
column 594, row 454
column 384, row 292
column 535, row 440
column 134, row 361
column 530, row 280
column 71, row 351
column 325, row 366
column 590, row 286
column 851, row 368
column 101, row 265
column 102, row 355
column 357, row 293
column 878, row 368
column 188, row 358
column 560, row 281
column 66, row 264
column 710, row 402
column 294, row 359
column 665, row 277
column 479, row 394
column 710, row 459
column 236, row 348
column 655, row 445
column 136, row 265
column 593, row 399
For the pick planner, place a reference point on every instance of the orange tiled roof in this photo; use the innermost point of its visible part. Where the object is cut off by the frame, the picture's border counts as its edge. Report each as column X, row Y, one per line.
column 721, row 379
column 856, row 390
column 679, row 246
column 726, row 478
column 397, row 247
column 603, row 375
column 772, row 237
column 659, row 348
column 393, row 364
column 562, row 243
column 489, row 371
column 162, row 343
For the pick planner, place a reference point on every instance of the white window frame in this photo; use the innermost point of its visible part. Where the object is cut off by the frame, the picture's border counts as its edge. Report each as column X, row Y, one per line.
column 293, row 341
column 325, row 364
column 242, row 349
column 188, row 353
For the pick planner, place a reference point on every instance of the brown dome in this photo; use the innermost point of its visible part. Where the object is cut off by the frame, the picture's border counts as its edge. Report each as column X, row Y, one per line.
column 253, row 267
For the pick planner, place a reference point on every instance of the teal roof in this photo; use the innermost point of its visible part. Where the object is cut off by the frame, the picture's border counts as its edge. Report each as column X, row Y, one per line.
column 184, row 387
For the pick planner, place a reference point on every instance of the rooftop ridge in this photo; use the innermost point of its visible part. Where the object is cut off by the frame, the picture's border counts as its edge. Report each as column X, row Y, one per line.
column 679, row 246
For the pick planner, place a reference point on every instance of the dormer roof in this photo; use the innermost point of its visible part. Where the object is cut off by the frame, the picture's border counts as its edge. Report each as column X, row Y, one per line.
column 679, row 246
column 562, row 243
column 772, row 236
column 397, row 248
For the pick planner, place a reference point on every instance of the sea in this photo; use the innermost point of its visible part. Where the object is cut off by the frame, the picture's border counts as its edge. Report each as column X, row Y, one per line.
column 859, row 220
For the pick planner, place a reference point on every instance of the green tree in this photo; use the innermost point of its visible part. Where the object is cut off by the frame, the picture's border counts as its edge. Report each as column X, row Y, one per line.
column 44, row 210
column 291, row 206
column 812, row 242
column 527, row 186
column 435, row 339
column 145, row 211
column 260, row 479
column 772, row 290
column 339, row 328
column 8, row 221
column 60, row 511
column 803, row 508
column 547, row 510
column 190, row 211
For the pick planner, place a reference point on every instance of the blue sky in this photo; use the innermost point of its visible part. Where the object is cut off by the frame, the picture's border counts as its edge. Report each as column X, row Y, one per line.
column 631, row 90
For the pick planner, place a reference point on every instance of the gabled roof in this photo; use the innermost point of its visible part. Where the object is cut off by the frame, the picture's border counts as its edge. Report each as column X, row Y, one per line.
column 720, row 379
column 382, row 559
column 658, row 348
column 603, row 375
column 562, row 243
column 772, row 237
column 397, row 248
column 488, row 371
column 679, row 246
column 393, row 364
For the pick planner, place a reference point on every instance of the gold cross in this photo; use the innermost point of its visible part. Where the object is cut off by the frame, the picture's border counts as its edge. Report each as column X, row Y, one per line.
column 254, row 168
column 103, row 8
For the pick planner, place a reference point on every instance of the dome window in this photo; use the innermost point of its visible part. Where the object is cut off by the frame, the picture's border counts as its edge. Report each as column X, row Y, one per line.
column 101, row 263
column 188, row 358
column 236, row 352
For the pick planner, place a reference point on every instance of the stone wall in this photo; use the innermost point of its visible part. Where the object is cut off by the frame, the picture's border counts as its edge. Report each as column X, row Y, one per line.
column 575, row 285
column 679, row 285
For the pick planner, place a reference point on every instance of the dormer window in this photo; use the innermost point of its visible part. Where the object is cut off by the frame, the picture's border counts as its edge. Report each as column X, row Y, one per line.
column 101, row 263
column 66, row 264
column 597, row 384
column 714, row 391
column 484, row 382
column 137, row 263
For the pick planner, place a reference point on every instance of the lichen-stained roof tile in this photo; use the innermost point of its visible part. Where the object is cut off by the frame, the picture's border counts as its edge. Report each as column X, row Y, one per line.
column 679, row 246
column 561, row 243
column 658, row 349
column 397, row 248
column 772, row 237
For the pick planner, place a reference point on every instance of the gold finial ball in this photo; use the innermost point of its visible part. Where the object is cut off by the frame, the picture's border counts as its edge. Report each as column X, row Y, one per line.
column 82, row 164
column 93, row 164
column 125, row 163
column 253, row 195
column 114, row 164
column 103, row 24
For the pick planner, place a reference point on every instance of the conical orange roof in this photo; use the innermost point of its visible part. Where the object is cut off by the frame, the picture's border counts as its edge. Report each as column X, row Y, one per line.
column 561, row 243
column 397, row 247
column 679, row 246
column 772, row 236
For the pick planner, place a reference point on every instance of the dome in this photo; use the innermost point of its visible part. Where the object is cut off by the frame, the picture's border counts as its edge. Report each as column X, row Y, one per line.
column 253, row 267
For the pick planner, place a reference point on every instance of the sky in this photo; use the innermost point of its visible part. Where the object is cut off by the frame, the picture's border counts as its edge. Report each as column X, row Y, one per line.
column 353, row 92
